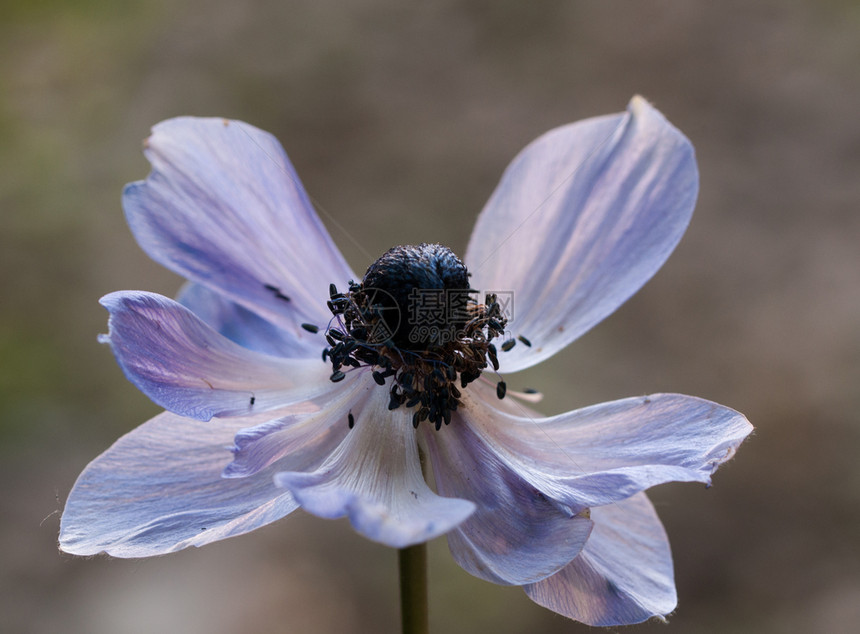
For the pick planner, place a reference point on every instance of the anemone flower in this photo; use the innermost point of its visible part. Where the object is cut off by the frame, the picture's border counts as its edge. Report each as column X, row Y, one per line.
column 291, row 382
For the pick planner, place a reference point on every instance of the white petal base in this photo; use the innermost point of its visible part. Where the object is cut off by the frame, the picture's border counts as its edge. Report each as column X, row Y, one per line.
column 374, row 478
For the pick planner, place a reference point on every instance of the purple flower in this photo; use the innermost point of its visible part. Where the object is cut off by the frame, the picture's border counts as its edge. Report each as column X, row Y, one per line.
column 258, row 424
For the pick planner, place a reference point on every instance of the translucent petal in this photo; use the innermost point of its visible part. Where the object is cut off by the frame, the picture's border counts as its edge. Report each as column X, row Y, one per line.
column 159, row 489
column 374, row 478
column 287, row 439
column 623, row 575
column 517, row 535
column 246, row 328
column 224, row 207
column 186, row 367
column 611, row 451
column 581, row 219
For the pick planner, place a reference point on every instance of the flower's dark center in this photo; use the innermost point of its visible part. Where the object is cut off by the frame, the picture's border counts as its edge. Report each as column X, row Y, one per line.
column 414, row 318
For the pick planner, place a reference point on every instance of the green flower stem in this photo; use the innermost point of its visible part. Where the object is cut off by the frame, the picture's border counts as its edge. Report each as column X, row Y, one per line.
column 413, row 589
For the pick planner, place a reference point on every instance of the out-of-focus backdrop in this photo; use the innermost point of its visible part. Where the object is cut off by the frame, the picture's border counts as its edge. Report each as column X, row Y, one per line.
column 400, row 119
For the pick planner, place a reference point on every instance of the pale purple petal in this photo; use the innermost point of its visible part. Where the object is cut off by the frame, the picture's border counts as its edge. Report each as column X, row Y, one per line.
column 301, row 439
column 248, row 329
column 611, row 451
column 186, row 367
column 581, row 219
column 159, row 489
column 517, row 535
column 374, row 478
column 224, row 207
column 623, row 575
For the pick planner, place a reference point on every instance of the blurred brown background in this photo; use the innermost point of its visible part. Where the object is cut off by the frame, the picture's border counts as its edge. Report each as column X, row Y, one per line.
column 400, row 119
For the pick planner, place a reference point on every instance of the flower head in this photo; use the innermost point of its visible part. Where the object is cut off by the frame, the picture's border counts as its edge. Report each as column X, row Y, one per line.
column 288, row 381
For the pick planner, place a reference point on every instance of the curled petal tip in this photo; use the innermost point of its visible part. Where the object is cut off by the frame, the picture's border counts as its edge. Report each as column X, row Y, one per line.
column 638, row 102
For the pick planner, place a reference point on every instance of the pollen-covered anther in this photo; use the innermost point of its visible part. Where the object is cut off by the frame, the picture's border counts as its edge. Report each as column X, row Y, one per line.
column 383, row 323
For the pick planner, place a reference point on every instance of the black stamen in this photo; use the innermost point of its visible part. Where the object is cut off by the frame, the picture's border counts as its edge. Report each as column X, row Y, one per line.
column 276, row 291
column 394, row 401
column 501, row 389
column 510, row 343
column 349, row 417
column 311, row 328
column 524, row 340
column 383, row 322
column 494, row 359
